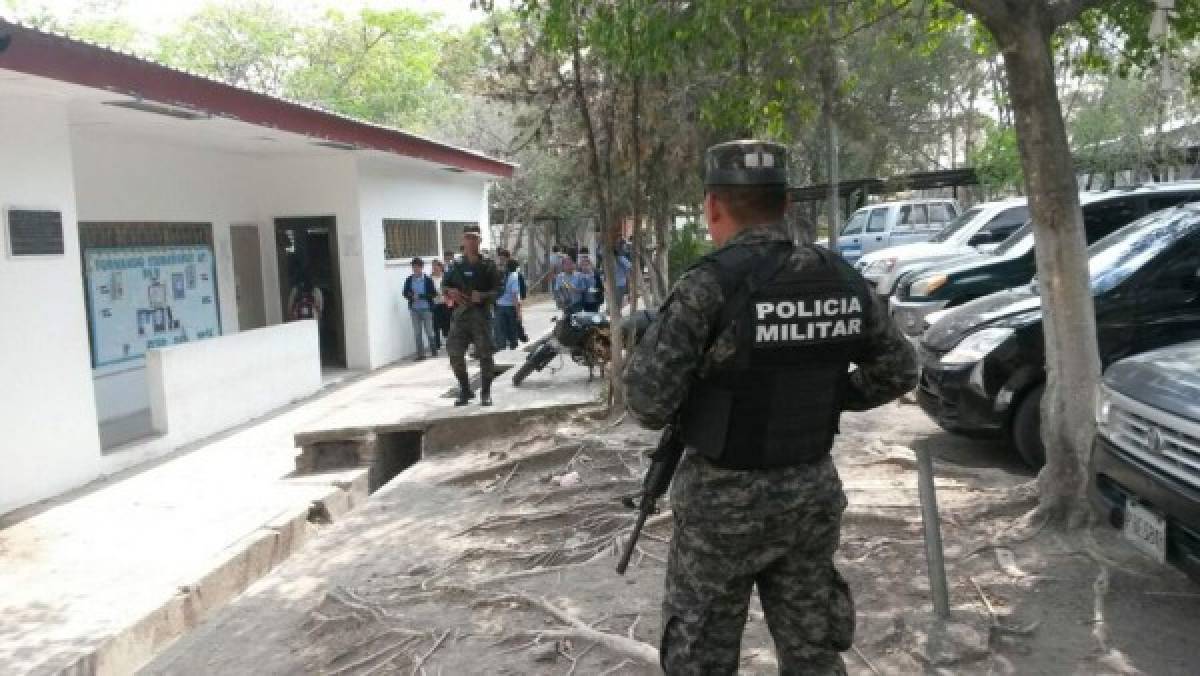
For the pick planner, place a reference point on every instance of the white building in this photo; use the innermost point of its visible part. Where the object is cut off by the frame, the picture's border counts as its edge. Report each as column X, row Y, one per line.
column 145, row 207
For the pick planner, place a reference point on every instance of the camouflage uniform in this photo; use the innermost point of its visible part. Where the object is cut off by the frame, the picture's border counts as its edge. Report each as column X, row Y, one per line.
column 775, row 529
column 471, row 322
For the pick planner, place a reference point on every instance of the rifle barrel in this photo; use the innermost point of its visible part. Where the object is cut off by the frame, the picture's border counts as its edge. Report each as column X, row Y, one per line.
column 623, row 564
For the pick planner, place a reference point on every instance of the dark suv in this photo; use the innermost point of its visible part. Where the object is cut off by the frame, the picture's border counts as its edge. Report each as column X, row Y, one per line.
column 983, row 364
column 1146, row 459
column 1012, row 264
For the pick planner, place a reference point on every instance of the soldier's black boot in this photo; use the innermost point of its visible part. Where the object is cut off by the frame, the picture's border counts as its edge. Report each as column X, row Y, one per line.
column 464, row 389
column 487, row 371
column 485, row 393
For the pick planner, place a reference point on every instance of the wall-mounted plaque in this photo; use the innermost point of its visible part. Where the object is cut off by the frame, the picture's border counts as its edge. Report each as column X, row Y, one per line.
column 35, row 233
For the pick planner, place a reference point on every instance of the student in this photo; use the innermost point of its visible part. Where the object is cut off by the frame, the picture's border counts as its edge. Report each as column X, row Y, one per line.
column 508, row 309
column 441, row 311
column 569, row 286
column 420, row 292
column 621, row 271
column 593, row 294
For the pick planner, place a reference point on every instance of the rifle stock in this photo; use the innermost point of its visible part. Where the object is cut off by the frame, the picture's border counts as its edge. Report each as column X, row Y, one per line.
column 658, row 478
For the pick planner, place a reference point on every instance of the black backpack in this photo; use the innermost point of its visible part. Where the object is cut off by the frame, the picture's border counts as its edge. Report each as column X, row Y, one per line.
column 524, row 289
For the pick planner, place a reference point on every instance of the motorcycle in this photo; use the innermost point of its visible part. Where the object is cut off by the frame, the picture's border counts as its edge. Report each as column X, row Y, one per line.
column 585, row 336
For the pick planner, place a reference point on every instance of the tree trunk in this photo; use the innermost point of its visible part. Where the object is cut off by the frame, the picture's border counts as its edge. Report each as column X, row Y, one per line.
column 1072, row 356
column 635, row 276
column 601, row 197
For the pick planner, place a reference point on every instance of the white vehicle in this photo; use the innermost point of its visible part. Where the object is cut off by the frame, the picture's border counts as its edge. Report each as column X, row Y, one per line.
column 979, row 228
column 879, row 226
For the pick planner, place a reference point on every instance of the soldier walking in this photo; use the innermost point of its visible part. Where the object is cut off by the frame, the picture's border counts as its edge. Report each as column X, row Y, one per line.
column 471, row 286
column 758, row 339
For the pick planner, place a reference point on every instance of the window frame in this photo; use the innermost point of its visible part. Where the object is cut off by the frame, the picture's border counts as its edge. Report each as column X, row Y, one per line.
column 395, row 241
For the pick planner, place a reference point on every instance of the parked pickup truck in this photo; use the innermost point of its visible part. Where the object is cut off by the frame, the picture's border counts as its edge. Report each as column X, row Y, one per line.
column 1146, row 458
column 981, row 226
column 893, row 223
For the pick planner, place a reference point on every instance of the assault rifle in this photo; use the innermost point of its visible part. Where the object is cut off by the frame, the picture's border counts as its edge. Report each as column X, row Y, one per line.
column 664, row 459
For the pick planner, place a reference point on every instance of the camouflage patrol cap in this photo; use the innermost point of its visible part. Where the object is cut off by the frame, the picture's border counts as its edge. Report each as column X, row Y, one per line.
column 746, row 162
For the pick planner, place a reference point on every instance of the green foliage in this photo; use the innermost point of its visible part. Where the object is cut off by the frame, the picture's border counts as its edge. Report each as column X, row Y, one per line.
column 251, row 44
column 688, row 245
column 377, row 65
column 998, row 162
column 97, row 21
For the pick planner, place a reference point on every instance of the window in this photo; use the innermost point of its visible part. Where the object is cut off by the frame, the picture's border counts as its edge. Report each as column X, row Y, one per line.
column 855, row 225
column 405, row 238
column 1006, row 223
column 939, row 213
column 452, row 232
column 1167, row 201
column 914, row 217
column 1102, row 218
column 878, row 222
column 1014, row 218
column 108, row 235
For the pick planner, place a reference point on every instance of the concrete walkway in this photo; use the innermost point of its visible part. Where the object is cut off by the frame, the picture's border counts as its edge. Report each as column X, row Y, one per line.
column 99, row 580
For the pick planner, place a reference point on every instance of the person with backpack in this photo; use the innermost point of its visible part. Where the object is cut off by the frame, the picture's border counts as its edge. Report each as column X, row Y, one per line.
column 420, row 292
column 305, row 301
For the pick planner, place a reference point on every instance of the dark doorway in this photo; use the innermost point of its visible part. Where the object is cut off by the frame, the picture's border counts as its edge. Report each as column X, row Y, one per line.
column 307, row 249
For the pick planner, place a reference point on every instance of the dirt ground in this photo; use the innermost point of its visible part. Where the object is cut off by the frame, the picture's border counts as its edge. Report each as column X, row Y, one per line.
column 487, row 560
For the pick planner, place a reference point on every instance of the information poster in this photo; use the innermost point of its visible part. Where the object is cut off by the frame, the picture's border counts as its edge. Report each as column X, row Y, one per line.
column 149, row 297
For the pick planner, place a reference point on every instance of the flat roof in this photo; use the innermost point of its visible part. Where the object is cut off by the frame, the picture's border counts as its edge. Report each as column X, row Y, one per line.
column 27, row 50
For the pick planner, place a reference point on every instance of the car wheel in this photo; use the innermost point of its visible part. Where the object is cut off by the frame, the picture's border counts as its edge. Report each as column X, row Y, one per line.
column 1027, row 429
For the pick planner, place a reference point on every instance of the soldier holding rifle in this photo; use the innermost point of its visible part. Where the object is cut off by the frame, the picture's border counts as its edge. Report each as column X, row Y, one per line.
column 758, row 339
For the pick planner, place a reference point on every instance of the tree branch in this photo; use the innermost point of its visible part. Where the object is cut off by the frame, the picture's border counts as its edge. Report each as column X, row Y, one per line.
column 1065, row 11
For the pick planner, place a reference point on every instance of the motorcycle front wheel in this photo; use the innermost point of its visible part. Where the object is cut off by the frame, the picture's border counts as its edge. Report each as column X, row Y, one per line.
column 534, row 362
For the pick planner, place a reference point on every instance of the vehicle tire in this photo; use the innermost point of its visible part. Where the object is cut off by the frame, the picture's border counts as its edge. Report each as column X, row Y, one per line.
column 1027, row 429
column 523, row 372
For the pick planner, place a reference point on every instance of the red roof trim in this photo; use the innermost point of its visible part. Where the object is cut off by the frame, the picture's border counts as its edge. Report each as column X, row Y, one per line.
column 60, row 58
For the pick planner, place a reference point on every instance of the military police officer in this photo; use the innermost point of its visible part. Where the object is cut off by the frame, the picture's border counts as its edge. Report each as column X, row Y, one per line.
column 472, row 285
column 751, row 354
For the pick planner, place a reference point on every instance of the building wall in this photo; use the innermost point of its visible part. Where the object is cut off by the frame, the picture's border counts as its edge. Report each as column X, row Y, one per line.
column 121, row 178
column 390, row 190
column 47, row 413
column 326, row 185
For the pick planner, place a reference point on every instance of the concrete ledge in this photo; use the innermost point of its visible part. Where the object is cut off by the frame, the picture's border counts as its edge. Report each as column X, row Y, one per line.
column 442, row 432
column 218, row 582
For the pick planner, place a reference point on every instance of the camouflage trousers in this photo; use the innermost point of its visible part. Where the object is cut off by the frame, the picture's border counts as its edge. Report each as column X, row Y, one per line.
column 470, row 326
column 715, row 563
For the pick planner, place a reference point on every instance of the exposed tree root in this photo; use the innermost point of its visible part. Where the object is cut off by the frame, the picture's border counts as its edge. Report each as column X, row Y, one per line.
column 1021, row 497
column 419, row 664
column 576, row 629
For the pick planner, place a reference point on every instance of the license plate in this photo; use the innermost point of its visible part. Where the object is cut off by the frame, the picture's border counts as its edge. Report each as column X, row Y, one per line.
column 1146, row 530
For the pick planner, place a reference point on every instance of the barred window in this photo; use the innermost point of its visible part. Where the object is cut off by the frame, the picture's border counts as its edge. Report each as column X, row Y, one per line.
column 452, row 232
column 404, row 238
column 126, row 234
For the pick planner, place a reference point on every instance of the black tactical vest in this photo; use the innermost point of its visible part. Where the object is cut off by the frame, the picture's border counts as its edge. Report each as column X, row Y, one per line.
column 777, row 401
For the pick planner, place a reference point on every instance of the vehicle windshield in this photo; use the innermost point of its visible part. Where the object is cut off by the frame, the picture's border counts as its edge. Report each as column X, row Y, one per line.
column 956, row 225
column 1019, row 242
column 1115, row 258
